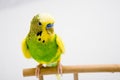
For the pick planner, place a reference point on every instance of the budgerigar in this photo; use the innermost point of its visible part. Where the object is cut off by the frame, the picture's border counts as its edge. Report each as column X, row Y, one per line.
column 42, row 44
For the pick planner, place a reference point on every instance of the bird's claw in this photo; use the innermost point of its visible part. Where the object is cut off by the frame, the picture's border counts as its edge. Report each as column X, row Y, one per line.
column 38, row 70
column 59, row 68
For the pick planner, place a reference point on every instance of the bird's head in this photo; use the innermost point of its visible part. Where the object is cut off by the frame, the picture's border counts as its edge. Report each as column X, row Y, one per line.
column 42, row 23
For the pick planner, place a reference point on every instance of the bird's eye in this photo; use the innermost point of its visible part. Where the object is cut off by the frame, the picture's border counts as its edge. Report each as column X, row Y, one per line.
column 49, row 25
column 39, row 23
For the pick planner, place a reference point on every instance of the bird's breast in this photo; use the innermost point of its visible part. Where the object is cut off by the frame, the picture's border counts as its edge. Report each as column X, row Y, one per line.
column 43, row 51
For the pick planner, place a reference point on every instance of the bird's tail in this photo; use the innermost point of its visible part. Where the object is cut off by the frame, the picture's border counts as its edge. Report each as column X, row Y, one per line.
column 58, row 76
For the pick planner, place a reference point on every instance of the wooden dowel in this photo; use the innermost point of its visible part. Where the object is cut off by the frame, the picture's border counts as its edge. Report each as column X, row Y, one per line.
column 41, row 78
column 75, row 76
column 75, row 69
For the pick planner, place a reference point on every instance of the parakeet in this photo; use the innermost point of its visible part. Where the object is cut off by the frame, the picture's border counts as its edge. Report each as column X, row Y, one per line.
column 42, row 44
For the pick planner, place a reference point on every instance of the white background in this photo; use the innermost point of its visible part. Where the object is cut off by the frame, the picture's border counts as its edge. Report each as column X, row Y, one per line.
column 90, row 30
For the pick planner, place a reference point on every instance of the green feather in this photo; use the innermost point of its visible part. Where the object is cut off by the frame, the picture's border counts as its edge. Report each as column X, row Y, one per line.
column 43, row 52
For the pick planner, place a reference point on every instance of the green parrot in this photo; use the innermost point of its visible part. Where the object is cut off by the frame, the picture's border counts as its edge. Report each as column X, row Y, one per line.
column 42, row 44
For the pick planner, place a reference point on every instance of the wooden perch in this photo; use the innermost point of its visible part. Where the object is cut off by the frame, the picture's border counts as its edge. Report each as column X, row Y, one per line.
column 75, row 69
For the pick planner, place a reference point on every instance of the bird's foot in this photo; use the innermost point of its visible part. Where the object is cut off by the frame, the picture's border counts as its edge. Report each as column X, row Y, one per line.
column 38, row 70
column 59, row 68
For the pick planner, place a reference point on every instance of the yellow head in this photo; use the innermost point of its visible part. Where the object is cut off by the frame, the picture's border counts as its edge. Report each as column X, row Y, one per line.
column 42, row 26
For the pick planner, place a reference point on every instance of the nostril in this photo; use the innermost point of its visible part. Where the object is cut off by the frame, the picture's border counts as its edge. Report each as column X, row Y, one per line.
column 39, row 33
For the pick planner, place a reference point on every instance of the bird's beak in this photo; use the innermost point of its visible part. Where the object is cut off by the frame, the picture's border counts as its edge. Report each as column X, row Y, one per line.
column 50, row 31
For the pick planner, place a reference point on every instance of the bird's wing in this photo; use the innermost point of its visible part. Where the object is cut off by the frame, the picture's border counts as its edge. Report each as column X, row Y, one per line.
column 60, row 44
column 25, row 49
